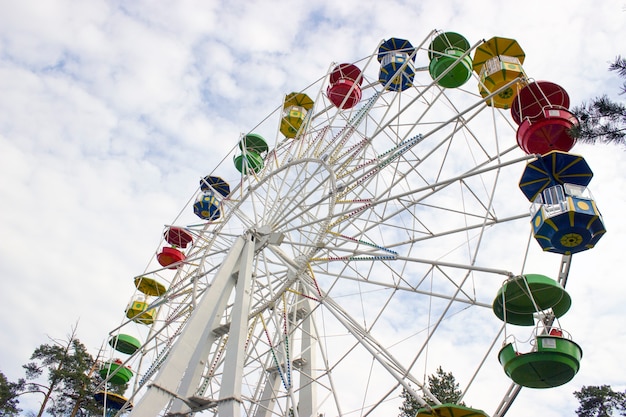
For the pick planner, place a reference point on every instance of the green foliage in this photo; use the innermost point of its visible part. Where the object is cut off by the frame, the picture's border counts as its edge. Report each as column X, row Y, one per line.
column 602, row 120
column 619, row 65
column 8, row 396
column 600, row 401
column 441, row 384
column 409, row 405
column 64, row 374
column 70, row 385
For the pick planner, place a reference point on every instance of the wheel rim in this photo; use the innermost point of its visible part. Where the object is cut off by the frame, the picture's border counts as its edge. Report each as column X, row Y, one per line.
column 374, row 219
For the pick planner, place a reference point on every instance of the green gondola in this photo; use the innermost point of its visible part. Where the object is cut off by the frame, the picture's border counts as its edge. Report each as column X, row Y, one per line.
column 445, row 51
column 521, row 297
column 555, row 362
column 125, row 343
column 117, row 374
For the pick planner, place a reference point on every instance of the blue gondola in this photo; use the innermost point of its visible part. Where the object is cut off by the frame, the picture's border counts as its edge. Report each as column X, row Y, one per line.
column 215, row 183
column 207, row 206
column 554, row 168
column 565, row 218
column 112, row 401
column 396, row 57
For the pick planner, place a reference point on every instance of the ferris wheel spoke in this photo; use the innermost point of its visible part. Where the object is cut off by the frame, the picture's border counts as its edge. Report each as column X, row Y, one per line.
column 365, row 339
column 399, row 284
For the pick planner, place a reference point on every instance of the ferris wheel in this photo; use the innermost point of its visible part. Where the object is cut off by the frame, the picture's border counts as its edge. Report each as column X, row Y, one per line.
column 351, row 244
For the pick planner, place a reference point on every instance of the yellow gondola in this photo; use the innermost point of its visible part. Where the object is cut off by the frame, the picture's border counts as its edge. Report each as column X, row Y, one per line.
column 449, row 410
column 150, row 286
column 295, row 108
column 498, row 62
column 138, row 312
column 112, row 401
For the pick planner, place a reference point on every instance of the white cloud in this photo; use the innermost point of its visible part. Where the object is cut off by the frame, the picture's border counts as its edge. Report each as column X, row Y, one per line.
column 110, row 112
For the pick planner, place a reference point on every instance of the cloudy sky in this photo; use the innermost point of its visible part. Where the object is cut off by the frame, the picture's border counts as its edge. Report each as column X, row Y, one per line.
column 110, row 111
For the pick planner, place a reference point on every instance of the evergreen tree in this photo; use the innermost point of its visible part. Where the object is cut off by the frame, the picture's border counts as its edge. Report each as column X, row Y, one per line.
column 9, row 392
column 603, row 120
column 65, row 374
column 442, row 385
column 409, row 405
column 619, row 65
column 70, row 378
column 600, row 401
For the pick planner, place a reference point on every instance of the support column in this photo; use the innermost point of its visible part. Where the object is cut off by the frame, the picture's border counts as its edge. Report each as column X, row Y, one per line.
column 192, row 340
column 307, row 405
column 229, row 403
